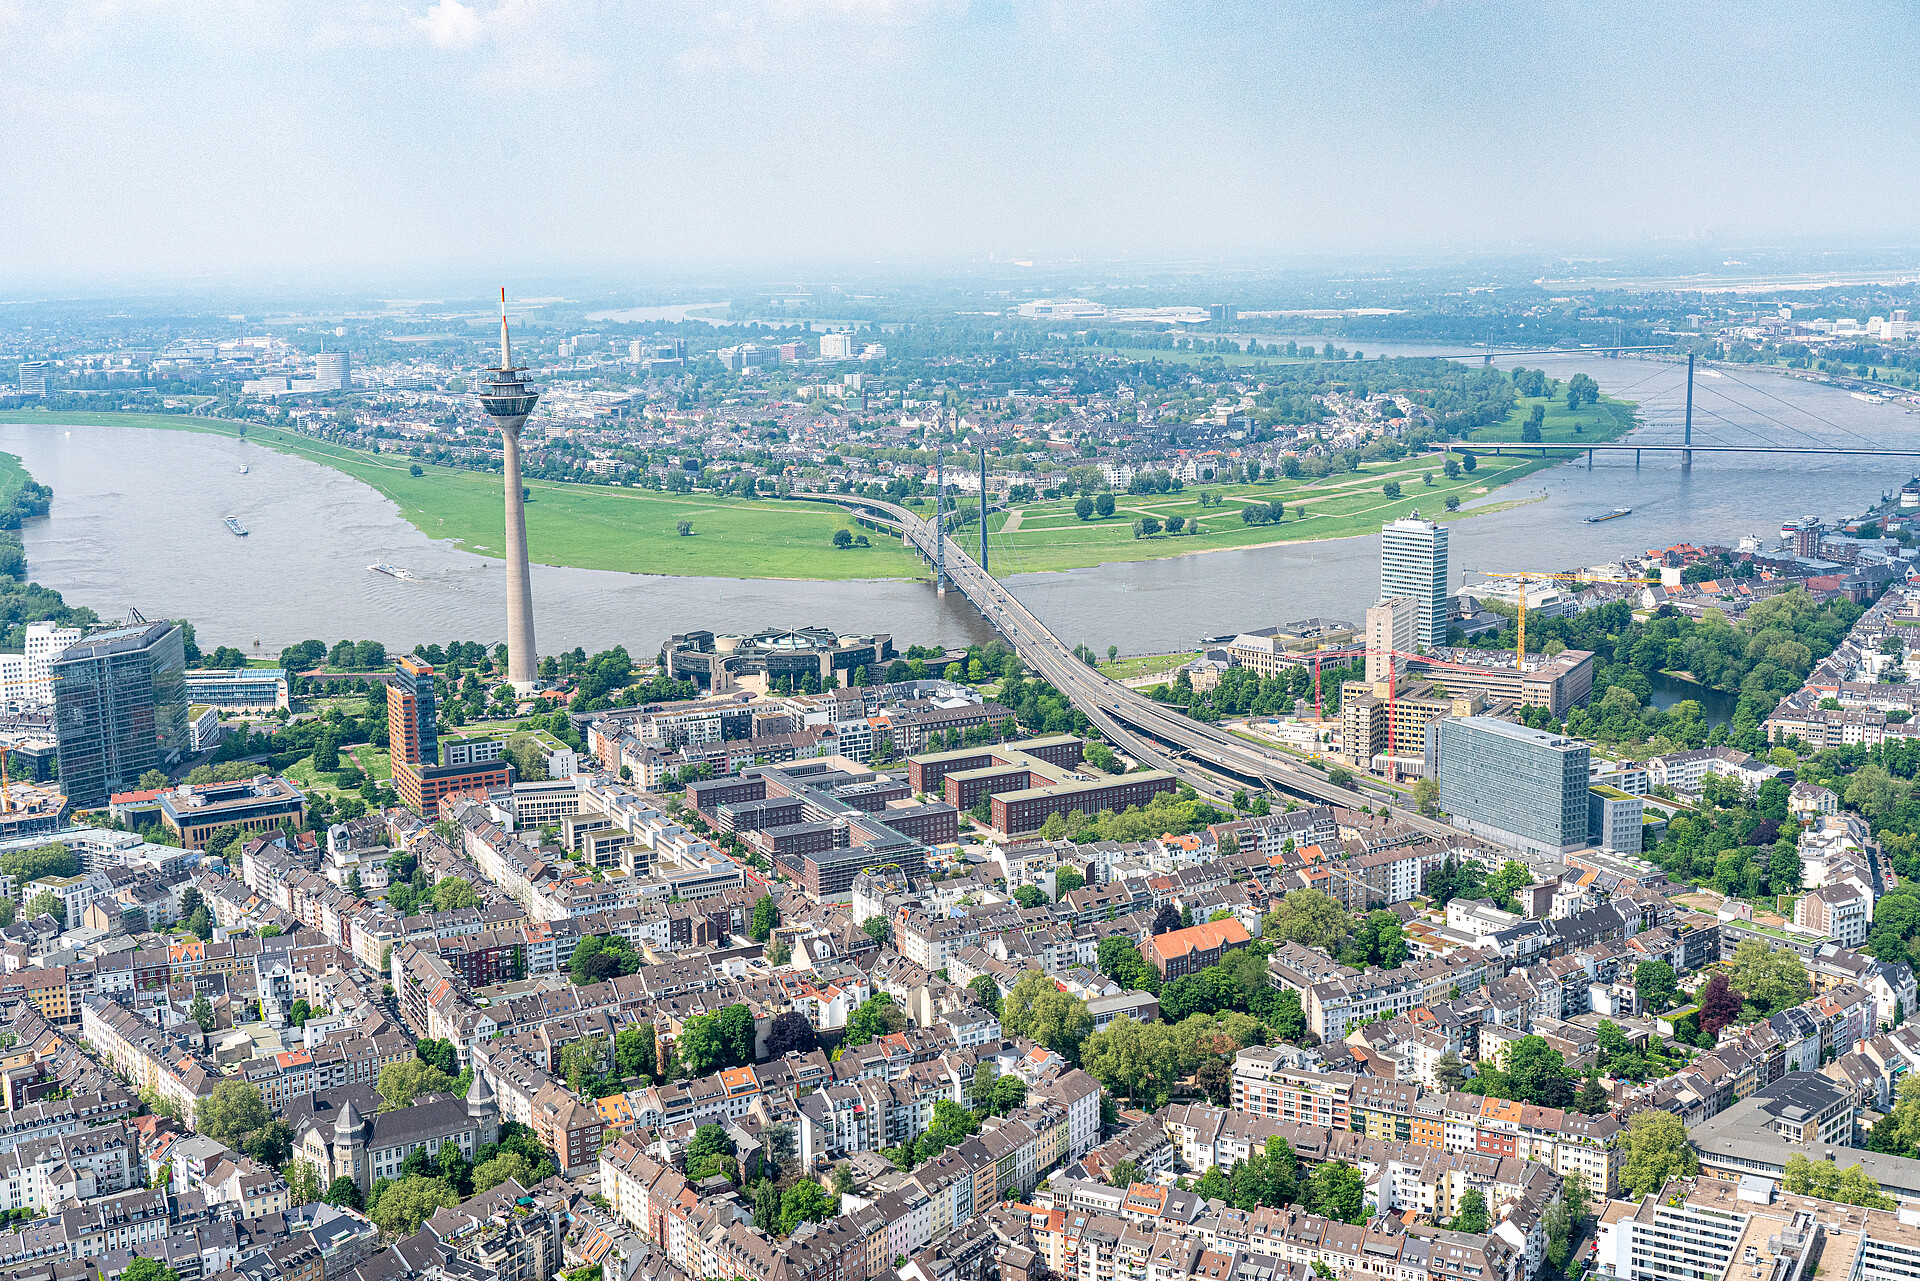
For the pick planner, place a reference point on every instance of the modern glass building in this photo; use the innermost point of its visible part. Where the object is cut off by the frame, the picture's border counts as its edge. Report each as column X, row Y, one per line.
column 1518, row 786
column 119, row 708
column 1413, row 562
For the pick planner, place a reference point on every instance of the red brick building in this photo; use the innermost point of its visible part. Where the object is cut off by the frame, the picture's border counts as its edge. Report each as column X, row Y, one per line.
column 1194, row 948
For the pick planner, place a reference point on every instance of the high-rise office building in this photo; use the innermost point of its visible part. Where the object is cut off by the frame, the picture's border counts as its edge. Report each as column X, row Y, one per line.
column 33, row 377
column 413, row 739
column 1413, row 562
column 1390, row 627
column 412, row 720
column 332, row 371
column 1518, row 786
column 119, row 708
column 507, row 399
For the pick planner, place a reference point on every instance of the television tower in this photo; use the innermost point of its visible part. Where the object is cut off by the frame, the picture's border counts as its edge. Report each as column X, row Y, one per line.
column 507, row 399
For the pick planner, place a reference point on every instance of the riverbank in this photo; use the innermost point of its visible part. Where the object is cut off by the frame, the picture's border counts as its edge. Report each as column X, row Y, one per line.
column 576, row 526
column 636, row 530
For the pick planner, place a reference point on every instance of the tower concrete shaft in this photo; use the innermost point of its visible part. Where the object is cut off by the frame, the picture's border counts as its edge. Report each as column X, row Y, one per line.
column 508, row 399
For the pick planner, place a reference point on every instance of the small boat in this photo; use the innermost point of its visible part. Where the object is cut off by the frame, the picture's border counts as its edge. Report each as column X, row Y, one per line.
column 1615, row 514
column 243, row 469
column 233, row 523
column 1871, row 400
column 393, row 571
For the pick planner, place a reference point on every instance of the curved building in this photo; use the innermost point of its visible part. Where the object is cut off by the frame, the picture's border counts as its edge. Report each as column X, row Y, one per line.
column 718, row 663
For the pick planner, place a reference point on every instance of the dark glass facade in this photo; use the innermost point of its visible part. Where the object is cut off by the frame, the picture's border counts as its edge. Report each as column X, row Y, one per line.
column 119, row 709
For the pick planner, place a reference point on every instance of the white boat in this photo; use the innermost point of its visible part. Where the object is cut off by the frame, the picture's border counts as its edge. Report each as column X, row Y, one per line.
column 233, row 523
column 1870, row 399
column 393, row 571
column 243, row 469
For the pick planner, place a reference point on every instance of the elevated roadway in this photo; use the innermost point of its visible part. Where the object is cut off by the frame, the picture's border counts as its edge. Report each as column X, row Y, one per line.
column 1215, row 763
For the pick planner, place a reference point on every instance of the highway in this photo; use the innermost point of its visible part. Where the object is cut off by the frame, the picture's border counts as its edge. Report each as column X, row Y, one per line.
column 1214, row 762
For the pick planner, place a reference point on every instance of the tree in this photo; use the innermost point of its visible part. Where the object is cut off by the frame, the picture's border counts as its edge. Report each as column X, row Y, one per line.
column 508, row 1165
column 1065, row 881
column 842, row 538
column 790, row 1032
column 1124, row 1174
column 1103, row 505
column 1083, row 508
column 1654, row 983
column 453, row 893
column 42, row 860
column 1448, row 1073
column 1165, row 921
column 1336, row 1191
column 232, row 1112
column 683, row 528
column 45, row 903
column 1391, row 489
column 1471, row 1214
column 1719, row 1004
column 1538, row 1073
column 1309, row 917
column 986, row 992
column 1039, row 1010
column 401, row 1083
column 633, row 1051
column 1770, row 980
column 1289, row 1018
column 1142, row 1059
column 877, row 929
column 153, row 780
column 344, row 1192
column 1657, row 1151
column 1214, row 1079
column 765, row 916
column 412, row 1199
column 1426, row 796
column 1031, row 896
column 806, row 1200
column 876, row 1016
column 144, row 1269
column 303, row 1182
column 707, row 1140
column 201, row 1012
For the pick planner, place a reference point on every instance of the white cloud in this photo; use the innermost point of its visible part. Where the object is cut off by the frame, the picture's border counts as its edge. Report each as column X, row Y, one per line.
column 451, row 25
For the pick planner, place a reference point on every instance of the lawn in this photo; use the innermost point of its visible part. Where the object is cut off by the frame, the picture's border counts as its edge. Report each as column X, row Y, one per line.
column 1139, row 665
column 585, row 526
column 1594, row 424
column 1050, row 537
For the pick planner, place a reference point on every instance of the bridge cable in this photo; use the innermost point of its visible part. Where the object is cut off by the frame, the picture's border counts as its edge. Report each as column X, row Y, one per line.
column 1801, row 408
column 1800, row 432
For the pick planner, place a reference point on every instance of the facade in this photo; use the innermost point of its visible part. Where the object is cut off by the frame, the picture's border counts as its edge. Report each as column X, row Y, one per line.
column 239, row 689
column 366, row 1146
column 1413, row 562
column 120, row 709
column 1182, row 952
column 1390, row 629
column 1372, row 725
column 414, row 738
column 719, row 663
column 194, row 812
column 1615, row 818
column 1522, row 787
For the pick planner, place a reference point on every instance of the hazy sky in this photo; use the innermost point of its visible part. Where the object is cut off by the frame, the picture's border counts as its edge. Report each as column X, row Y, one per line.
column 157, row 138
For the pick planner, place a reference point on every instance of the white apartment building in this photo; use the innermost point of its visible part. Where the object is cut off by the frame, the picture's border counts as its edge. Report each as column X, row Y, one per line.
column 24, row 678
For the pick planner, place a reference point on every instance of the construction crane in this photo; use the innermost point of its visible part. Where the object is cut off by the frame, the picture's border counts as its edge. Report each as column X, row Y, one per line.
column 1393, row 670
column 1520, row 652
column 6, row 783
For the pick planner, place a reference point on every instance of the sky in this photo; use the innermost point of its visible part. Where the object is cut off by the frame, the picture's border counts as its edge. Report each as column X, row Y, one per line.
column 403, row 139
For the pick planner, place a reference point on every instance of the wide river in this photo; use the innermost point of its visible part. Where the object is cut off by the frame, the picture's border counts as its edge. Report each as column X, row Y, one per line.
column 137, row 522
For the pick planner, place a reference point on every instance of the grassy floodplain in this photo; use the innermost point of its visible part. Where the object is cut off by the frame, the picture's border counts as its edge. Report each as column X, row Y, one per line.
column 635, row 530
column 1048, row 536
column 584, row 526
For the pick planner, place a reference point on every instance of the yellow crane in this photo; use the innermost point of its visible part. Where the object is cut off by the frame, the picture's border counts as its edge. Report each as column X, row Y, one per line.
column 1520, row 654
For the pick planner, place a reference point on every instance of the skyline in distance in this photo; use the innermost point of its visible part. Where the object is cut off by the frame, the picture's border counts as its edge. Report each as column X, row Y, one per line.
column 227, row 140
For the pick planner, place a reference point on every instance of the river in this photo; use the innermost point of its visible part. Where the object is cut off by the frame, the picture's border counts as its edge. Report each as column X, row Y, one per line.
column 137, row 523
